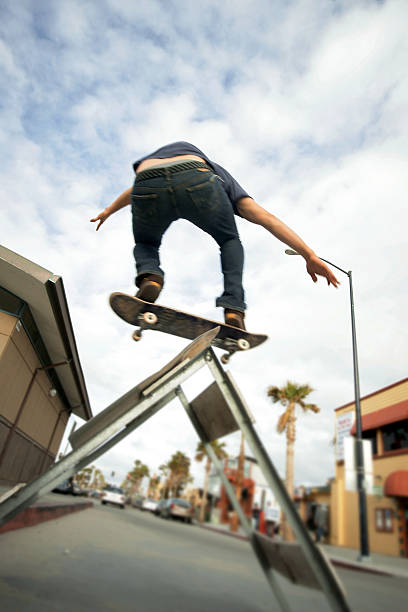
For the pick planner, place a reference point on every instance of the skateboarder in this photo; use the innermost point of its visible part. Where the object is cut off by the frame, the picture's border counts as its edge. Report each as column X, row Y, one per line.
column 180, row 181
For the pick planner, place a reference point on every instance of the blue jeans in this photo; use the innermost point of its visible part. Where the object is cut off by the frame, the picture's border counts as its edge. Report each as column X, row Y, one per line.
column 163, row 195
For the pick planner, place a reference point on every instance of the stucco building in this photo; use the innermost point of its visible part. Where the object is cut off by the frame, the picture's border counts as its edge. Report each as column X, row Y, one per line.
column 385, row 424
column 41, row 379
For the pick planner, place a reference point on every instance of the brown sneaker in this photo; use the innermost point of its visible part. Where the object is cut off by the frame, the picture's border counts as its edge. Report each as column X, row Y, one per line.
column 150, row 288
column 234, row 318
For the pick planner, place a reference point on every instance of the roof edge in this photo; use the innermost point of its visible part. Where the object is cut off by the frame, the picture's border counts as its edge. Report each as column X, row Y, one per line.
column 58, row 301
column 25, row 265
column 373, row 393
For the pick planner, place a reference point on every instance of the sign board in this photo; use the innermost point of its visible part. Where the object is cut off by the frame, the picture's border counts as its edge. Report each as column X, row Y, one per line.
column 272, row 514
column 350, row 465
column 378, row 490
column 344, row 423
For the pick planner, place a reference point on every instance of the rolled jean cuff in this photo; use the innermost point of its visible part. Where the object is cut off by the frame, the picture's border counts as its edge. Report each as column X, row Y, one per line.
column 141, row 276
column 219, row 302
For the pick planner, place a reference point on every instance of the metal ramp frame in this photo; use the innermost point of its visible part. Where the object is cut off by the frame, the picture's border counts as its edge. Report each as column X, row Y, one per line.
column 217, row 411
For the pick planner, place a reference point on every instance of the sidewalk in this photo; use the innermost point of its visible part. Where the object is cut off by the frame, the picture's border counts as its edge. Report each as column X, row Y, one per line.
column 342, row 557
column 50, row 506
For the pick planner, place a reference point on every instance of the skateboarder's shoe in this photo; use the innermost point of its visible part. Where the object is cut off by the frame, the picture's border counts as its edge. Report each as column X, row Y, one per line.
column 150, row 288
column 234, row 318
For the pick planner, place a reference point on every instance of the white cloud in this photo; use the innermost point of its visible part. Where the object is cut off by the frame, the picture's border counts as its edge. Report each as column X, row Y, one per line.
column 304, row 103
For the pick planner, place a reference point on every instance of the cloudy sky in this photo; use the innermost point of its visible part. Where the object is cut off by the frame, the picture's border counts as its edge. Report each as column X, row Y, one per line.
column 304, row 102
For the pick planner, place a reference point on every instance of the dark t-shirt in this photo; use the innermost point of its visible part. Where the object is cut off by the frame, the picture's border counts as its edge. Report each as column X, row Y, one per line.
column 232, row 188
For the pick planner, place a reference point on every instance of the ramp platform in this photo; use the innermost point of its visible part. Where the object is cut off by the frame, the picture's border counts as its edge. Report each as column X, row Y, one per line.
column 218, row 411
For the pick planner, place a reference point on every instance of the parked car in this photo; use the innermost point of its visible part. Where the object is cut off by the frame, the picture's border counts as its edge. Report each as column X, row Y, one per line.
column 136, row 500
column 149, row 504
column 94, row 494
column 83, row 492
column 113, row 495
column 67, row 487
column 159, row 507
column 177, row 508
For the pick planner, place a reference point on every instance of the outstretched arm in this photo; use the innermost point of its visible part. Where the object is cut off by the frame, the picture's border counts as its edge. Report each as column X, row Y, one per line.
column 120, row 202
column 250, row 210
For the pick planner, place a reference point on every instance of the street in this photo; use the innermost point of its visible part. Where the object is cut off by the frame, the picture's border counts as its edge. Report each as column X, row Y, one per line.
column 108, row 559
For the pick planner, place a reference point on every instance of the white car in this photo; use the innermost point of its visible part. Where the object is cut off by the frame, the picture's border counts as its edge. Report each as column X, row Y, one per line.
column 113, row 495
column 149, row 504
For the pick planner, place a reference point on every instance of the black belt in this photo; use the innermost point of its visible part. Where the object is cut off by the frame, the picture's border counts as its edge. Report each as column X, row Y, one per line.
column 187, row 165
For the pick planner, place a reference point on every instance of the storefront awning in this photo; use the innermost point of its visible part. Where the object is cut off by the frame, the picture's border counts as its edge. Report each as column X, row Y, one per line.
column 391, row 414
column 397, row 484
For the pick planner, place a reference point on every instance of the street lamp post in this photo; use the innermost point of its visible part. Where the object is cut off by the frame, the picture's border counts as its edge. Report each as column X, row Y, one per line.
column 362, row 499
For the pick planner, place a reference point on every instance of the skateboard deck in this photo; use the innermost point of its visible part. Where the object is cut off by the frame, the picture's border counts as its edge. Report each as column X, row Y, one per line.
column 145, row 315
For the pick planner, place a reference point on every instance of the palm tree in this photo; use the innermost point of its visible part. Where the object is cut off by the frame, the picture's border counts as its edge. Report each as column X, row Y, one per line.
column 153, row 485
column 98, row 481
column 165, row 472
column 179, row 467
column 83, row 478
column 290, row 396
column 201, row 452
column 139, row 471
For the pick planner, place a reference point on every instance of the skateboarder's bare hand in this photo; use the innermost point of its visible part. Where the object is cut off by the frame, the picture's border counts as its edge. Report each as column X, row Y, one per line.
column 315, row 266
column 101, row 218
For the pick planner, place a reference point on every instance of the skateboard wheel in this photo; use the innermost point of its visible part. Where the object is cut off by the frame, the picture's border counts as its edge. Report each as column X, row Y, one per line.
column 137, row 335
column 225, row 358
column 243, row 344
column 150, row 318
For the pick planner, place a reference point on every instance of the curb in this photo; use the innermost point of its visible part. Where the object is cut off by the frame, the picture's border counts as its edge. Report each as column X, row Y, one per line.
column 333, row 560
column 34, row 515
column 239, row 536
column 369, row 569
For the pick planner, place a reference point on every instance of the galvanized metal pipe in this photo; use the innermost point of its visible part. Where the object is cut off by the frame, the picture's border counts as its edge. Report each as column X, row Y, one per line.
column 322, row 569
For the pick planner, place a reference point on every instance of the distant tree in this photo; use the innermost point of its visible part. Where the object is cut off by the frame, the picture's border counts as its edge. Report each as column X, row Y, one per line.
column 98, row 481
column 153, row 485
column 139, row 471
column 290, row 396
column 201, row 453
column 179, row 472
column 84, row 476
column 165, row 474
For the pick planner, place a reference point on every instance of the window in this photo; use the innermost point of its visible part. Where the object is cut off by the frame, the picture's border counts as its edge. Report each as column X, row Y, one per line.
column 395, row 436
column 371, row 434
column 9, row 302
column 113, row 489
column 180, row 502
column 383, row 520
column 13, row 305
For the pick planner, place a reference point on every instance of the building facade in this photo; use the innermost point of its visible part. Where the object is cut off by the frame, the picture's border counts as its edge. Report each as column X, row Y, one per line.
column 41, row 380
column 385, row 425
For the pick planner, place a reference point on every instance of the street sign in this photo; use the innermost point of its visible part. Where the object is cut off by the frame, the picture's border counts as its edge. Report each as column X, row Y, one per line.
column 344, row 423
column 350, row 465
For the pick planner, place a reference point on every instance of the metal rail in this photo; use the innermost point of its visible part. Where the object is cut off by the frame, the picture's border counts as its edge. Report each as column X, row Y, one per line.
column 143, row 401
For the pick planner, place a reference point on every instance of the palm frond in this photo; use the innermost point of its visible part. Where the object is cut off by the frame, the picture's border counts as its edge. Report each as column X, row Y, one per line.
column 277, row 395
column 312, row 407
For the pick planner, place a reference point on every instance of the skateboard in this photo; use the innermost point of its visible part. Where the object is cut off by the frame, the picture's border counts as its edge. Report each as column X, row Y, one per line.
column 177, row 323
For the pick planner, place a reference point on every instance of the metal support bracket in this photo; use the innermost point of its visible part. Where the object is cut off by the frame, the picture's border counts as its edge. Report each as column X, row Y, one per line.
column 217, row 411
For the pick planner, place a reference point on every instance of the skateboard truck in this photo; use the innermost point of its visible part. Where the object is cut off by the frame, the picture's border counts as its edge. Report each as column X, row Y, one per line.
column 233, row 346
column 146, row 319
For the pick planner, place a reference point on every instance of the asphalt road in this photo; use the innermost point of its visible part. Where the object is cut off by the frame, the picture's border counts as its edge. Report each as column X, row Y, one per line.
column 107, row 559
